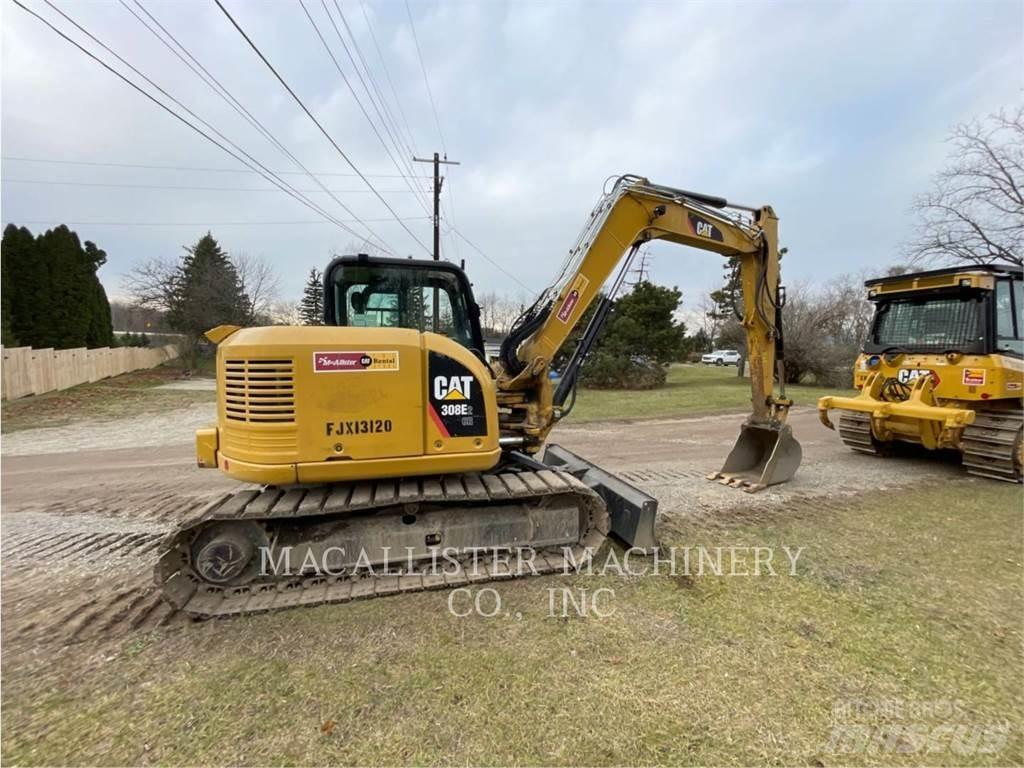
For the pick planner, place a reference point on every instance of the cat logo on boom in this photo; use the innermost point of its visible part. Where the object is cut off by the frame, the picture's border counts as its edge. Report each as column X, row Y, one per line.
column 453, row 387
column 704, row 228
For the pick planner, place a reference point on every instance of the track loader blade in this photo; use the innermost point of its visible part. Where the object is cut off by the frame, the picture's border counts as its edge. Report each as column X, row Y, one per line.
column 763, row 455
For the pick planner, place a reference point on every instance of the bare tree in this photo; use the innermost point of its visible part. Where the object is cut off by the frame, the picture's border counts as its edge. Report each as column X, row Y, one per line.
column 260, row 282
column 975, row 211
column 152, row 284
column 498, row 312
column 824, row 330
column 284, row 313
column 711, row 319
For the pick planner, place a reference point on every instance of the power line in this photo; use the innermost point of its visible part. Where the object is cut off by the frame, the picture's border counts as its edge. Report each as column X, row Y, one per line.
column 404, row 152
column 208, row 125
column 352, row 90
column 195, row 189
column 207, row 78
column 411, row 143
column 316, row 122
column 496, row 265
column 196, row 168
column 433, row 106
column 426, row 80
column 642, row 268
column 396, row 133
column 277, row 182
column 234, row 103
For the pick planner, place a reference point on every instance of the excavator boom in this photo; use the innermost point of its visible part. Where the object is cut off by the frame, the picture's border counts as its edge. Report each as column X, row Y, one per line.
column 634, row 212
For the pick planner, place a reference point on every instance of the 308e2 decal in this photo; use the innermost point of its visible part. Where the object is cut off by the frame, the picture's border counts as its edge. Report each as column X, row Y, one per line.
column 456, row 402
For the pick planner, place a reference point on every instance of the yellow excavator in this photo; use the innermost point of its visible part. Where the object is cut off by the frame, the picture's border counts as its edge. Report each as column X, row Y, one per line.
column 388, row 454
column 942, row 367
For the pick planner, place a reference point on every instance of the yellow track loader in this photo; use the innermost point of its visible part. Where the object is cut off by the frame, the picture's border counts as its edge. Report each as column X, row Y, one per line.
column 942, row 367
column 388, row 455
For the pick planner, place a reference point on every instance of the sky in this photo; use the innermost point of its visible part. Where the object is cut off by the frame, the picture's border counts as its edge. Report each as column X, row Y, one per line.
column 833, row 113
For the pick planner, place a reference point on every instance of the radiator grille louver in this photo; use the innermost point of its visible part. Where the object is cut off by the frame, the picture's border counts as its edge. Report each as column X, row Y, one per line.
column 259, row 391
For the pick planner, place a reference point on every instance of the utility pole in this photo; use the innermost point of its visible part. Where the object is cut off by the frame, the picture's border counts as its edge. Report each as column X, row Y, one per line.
column 438, row 181
column 641, row 270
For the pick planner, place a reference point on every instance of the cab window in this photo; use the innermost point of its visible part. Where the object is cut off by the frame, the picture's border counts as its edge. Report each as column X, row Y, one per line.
column 1009, row 300
column 930, row 324
column 368, row 295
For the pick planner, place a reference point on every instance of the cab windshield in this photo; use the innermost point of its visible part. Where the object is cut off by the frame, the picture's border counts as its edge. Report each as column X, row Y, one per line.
column 368, row 295
column 933, row 324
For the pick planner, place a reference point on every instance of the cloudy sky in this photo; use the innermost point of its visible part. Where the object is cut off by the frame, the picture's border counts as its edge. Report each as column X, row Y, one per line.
column 834, row 113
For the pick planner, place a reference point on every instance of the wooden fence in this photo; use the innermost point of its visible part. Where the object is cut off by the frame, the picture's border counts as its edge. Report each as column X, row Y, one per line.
column 28, row 371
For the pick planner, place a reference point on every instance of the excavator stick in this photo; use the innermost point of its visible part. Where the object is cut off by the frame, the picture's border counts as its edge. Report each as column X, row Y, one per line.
column 764, row 454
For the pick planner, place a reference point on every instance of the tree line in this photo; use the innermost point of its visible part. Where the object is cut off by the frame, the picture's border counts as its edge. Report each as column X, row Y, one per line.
column 51, row 292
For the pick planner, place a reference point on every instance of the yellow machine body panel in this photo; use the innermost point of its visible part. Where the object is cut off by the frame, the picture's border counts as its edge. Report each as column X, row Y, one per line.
column 326, row 404
column 957, row 377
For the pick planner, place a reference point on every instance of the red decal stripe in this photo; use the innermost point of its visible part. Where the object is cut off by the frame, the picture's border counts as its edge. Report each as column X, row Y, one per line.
column 437, row 421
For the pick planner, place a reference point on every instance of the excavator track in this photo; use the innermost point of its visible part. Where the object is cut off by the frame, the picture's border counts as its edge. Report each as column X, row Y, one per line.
column 993, row 446
column 855, row 432
column 367, row 504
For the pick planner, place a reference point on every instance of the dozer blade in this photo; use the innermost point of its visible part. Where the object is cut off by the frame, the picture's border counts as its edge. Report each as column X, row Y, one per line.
column 631, row 510
column 763, row 455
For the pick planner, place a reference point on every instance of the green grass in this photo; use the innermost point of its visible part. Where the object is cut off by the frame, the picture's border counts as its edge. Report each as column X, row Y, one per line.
column 915, row 598
column 114, row 398
column 690, row 389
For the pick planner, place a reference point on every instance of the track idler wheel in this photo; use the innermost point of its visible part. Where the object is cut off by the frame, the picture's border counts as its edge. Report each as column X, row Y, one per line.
column 228, row 552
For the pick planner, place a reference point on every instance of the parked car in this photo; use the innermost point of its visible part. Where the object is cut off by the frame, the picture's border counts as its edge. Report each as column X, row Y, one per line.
column 721, row 357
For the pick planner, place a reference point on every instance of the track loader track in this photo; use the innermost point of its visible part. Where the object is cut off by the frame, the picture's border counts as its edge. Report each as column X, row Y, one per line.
column 380, row 507
column 992, row 445
column 855, row 432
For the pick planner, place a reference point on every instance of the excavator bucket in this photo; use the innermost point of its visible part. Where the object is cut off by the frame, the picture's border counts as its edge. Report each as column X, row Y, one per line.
column 764, row 454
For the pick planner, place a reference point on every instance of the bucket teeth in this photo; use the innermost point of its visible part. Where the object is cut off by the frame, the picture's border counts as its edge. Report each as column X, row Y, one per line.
column 736, row 481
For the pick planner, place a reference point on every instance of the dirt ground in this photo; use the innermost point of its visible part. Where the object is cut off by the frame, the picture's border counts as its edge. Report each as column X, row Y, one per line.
column 92, row 517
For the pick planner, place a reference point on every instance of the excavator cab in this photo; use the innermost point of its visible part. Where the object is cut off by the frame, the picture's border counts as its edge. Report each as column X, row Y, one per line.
column 372, row 292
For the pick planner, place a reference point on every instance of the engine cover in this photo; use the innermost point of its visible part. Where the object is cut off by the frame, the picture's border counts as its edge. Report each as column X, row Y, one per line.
column 325, row 404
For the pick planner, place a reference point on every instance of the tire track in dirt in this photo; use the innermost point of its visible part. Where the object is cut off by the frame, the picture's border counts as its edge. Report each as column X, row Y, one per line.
column 105, row 612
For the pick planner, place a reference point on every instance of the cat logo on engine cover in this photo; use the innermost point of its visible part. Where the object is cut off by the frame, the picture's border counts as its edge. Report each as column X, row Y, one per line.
column 456, row 401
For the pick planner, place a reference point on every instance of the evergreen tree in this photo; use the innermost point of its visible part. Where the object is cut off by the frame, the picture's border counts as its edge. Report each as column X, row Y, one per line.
column 101, row 329
column 311, row 309
column 205, row 292
column 68, row 296
column 730, row 295
column 100, row 332
column 641, row 337
column 52, row 296
column 24, row 279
